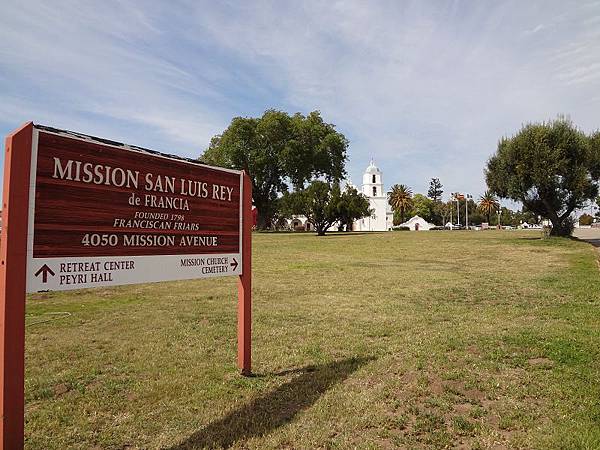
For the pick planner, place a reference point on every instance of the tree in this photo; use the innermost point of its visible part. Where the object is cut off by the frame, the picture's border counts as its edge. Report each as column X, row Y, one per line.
column 551, row 168
column 476, row 217
column 586, row 219
column 318, row 202
column 443, row 211
column 488, row 204
column 352, row 206
column 324, row 204
column 400, row 199
column 435, row 189
column 279, row 151
column 507, row 216
column 598, row 206
column 422, row 206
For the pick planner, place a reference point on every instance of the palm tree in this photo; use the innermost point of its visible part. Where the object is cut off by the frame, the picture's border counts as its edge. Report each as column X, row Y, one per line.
column 400, row 199
column 488, row 204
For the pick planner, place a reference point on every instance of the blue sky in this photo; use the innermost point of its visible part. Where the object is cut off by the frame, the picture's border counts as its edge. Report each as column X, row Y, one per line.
column 425, row 88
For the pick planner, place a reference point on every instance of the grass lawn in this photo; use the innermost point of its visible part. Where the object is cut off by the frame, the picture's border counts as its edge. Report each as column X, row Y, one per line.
column 411, row 340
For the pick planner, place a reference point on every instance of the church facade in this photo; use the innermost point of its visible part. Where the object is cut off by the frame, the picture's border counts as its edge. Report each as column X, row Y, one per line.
column 382, row 217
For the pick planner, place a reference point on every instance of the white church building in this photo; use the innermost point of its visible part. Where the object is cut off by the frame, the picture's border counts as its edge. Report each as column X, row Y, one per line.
column 382, row 217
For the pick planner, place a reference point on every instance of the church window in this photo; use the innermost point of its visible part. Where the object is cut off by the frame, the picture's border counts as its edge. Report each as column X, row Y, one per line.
column 374, row 178
column 374, row 191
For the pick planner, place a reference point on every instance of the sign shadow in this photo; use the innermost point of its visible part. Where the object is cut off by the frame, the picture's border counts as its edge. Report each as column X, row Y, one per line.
column 274, row 409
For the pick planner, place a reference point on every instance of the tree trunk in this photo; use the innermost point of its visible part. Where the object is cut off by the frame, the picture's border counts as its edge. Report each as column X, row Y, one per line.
column 562, row 228
column 561, row 225
column 262, row 221
column 265, row 214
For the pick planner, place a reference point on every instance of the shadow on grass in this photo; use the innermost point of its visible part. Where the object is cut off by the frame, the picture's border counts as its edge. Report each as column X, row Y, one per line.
column 594, row 242
column 352, row 233
column 278, row 407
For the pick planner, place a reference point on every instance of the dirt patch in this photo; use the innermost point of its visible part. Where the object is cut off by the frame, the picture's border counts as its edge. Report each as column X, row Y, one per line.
column 436, row 387
column 409, row 377
column 475, row 395
column 472, row 350
column 463, row 408
column 542, row 363
column 454, row 387
column 60, row 389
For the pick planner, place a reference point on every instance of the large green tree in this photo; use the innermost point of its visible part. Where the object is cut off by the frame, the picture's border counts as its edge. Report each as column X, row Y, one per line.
column 552, row 168
column 279, row 151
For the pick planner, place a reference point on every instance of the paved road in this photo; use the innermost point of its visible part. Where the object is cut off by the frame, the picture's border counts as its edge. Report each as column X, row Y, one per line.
column 591, row 235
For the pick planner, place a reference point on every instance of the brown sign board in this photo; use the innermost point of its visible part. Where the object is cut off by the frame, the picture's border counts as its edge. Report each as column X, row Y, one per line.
column 103, row 213
column 82, row 212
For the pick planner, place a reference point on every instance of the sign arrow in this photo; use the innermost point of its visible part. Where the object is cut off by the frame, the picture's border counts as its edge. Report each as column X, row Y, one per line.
column 44, row 270
column 234, row 264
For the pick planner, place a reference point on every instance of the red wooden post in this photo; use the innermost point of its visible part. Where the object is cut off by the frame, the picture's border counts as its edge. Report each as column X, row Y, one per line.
column 245, row 282
column 13, row 261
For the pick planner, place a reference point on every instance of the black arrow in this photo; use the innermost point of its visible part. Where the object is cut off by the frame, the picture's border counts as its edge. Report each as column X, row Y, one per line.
column 234, row 264
column 44, row 270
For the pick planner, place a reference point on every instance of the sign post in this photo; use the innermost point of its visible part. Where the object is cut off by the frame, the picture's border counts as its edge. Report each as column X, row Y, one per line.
column 82, row 212
column 13, row 258
column 245, row 282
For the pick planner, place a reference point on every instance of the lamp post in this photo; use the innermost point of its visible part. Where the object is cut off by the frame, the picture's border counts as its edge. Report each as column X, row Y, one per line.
column 467, row 197
column 456, row 194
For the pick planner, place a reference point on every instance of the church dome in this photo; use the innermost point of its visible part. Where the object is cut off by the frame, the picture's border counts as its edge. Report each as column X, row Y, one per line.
column 372, row 169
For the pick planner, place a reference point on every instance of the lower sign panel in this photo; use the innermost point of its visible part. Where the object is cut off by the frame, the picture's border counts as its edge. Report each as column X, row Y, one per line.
column 57, row 274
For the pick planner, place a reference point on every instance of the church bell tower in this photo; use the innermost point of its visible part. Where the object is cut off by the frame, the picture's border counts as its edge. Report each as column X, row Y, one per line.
column 373, row 182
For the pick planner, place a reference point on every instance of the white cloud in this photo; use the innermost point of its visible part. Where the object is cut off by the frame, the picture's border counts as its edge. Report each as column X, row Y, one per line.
column 425, row 88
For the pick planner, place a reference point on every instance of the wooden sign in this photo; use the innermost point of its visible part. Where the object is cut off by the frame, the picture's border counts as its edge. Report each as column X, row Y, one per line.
column 104, row 214
column 81, row 212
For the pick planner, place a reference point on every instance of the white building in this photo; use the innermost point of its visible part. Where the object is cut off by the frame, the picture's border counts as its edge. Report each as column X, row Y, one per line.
column 372, row 187
column 417, row 223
